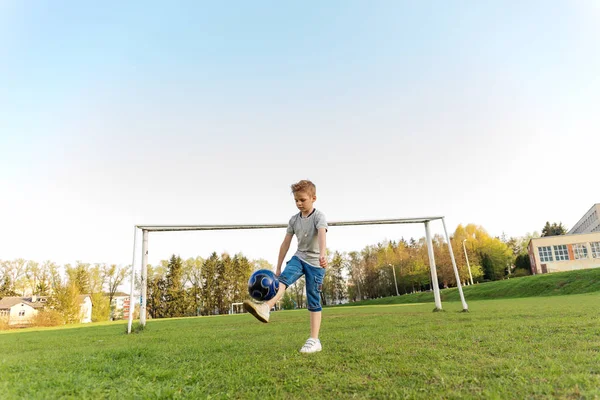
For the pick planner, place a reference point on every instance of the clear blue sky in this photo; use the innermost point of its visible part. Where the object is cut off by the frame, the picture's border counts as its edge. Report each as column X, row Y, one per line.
column 118, row 114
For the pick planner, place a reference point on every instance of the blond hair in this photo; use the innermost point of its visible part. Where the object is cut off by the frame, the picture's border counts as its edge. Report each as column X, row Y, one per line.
column 305, row 186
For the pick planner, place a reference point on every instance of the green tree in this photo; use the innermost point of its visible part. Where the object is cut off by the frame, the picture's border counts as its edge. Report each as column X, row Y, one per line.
column 242, row 269
column 65, row 300
column 14, row 270
column 79, row 275
column 261, row 263
column 44, row 284
column 496, row 257
column 175, row 295
column 32, row 274
column 112, row 277
column 523, row 263
column 100, row 307
column 287, row 303
column 297, row 292
column 553, row 229
column 156, row 302
column 100, row 302
column 95, row 279
column 192, row 271
column 221, row 283
column 209, row 282
column 6, row 288
column 356, row 272
column 493, row 255
column 334, row 286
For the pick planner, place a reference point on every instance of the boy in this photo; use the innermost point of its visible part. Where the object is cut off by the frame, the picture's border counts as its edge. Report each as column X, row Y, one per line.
column 310, row 227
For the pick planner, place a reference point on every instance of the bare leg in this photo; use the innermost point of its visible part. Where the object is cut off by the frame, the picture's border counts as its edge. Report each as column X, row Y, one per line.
column 315, row 324
column 271, row 303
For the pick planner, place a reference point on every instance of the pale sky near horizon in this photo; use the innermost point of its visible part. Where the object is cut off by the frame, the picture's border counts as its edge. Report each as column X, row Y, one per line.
column 117, row 114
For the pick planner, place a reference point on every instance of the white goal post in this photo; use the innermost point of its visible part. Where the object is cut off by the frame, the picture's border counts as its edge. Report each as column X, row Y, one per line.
column 232, row 309
column 146, row 229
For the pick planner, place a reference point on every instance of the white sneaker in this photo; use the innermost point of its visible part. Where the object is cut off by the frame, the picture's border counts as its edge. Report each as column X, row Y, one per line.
column 311, row 346
column 259, row 310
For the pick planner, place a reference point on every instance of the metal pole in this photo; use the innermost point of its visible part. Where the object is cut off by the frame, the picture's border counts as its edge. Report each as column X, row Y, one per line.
column 395, row 281
column 131, row 302
column 144, row 277
column 434, row 279
column 467, row 257
column 458, row 284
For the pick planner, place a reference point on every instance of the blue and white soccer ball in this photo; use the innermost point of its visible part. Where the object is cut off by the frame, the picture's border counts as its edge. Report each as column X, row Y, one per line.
column 263, row 285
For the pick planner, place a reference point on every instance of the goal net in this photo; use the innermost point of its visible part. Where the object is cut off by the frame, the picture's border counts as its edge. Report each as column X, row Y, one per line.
column 147, row 229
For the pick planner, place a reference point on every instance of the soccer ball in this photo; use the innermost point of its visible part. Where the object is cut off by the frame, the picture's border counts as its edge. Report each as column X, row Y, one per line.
column 263, row 285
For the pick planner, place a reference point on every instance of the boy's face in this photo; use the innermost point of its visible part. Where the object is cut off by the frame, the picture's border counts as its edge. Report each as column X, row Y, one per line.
column 304, row 201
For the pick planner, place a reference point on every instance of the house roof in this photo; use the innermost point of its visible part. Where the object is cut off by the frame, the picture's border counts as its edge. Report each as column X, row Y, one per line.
column 10, row 301
column 38, row 299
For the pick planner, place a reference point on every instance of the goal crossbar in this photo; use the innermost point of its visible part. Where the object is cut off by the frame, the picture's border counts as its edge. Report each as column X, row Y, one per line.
column 146, row 229
column 173, row 228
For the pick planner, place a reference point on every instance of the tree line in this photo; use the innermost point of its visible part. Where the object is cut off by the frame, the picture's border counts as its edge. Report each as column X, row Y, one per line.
column 200, row 286
column 207, row 286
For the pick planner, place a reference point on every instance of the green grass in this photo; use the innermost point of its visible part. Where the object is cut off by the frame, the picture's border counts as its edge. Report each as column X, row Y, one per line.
column 555, row 284
column 544, row 347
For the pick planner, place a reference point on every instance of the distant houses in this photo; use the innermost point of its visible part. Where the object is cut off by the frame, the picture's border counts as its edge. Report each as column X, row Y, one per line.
column 21, row 311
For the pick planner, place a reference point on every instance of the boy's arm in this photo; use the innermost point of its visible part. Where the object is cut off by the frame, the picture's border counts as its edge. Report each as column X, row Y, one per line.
column 285, row 246
column 322, row 247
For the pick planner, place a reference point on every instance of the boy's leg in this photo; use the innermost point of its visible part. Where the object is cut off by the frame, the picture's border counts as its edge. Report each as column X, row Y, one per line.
column 271, row 303
column 291, row 273
column 315, row 324
column 314, row 282
column 262, row 311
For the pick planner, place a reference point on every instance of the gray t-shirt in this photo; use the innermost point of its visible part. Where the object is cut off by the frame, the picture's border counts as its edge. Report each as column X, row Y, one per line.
column 306, row 230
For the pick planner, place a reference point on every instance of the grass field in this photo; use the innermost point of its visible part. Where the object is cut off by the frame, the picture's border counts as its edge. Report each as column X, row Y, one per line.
column 555, row 284
column 545, row 347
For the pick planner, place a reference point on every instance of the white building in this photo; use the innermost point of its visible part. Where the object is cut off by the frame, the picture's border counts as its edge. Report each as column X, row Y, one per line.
column 85, row 307
column 578, row 249
column 589, row 223
column 20, row 311
column 564, row 253
column 120, row 306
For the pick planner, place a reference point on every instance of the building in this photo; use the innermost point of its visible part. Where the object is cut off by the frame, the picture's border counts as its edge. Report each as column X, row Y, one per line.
column 20, row 311
column 564, row 253
column 120, row 306
column 578, row 249
column 589, row 223
column 85, row 307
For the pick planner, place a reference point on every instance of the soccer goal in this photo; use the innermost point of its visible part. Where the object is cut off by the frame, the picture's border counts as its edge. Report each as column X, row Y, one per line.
column 146, row 229
column 236, row 308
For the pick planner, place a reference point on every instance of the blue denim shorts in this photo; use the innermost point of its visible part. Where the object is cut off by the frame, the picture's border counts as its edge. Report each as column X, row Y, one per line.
column 294, row 269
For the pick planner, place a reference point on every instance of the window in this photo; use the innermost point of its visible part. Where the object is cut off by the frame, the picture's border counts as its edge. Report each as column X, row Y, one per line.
column 561, row 253
column 580, row 251
column 22, row 313
column 545, row 253
column 595, row 249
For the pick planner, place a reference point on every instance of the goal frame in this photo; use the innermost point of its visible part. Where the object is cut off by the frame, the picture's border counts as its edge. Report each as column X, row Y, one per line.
column 146, row 229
